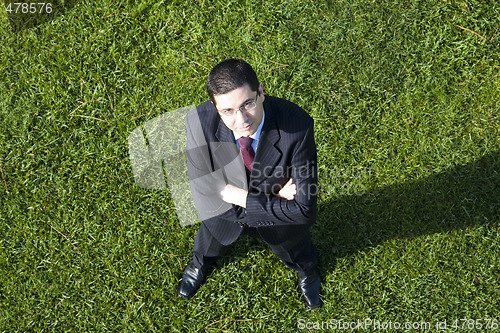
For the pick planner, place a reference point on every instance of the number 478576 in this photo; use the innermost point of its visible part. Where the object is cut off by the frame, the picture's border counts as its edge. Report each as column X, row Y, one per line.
column 29, row 8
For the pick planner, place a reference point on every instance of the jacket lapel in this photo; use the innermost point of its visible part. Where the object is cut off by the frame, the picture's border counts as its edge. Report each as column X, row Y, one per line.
column 227, row 157
column 224, row 134
column 268, row 155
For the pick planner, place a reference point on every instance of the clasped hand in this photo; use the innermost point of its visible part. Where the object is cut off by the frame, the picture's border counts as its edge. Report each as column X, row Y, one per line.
column 238, row 196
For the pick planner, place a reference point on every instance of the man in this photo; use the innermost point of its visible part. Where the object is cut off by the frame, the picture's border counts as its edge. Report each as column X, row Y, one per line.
column 252, row 170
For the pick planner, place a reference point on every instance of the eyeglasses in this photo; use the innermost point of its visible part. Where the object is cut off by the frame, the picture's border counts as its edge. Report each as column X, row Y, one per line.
column 247, row 107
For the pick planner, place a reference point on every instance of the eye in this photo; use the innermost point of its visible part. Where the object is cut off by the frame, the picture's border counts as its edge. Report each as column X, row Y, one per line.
column 247, row 105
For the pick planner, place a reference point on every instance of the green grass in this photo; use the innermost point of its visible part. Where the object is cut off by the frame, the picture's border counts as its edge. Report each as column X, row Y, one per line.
column 406, row 106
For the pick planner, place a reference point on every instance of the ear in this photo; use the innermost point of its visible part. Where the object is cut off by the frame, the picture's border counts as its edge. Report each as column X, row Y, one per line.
column 261, row 91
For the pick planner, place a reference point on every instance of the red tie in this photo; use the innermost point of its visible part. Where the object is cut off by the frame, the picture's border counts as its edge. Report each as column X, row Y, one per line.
column 247, row 153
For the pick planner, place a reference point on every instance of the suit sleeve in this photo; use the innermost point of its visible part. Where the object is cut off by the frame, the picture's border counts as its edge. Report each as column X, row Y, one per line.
column 205, row 182
column 267, row 209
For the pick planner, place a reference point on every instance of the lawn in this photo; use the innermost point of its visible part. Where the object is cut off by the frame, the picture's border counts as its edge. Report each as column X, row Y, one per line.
column 405, row 95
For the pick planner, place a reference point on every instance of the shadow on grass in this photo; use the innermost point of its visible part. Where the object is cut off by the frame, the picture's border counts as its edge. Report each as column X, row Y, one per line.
column 463, row 196
column 21, row 16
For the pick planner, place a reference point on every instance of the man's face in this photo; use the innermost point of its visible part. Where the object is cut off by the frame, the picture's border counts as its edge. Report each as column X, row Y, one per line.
column 244, row 123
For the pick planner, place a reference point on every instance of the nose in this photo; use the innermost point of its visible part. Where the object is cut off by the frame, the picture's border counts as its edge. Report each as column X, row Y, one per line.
column 241, row 116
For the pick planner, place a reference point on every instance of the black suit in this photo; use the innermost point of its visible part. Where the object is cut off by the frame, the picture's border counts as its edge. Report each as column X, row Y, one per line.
column 286, row 149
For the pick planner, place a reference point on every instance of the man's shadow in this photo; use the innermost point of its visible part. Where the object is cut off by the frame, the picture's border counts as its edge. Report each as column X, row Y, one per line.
column 24, row 15
column 462, row 196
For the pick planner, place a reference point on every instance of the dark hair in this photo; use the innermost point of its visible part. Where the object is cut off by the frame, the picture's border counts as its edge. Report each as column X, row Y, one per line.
column 230, row 74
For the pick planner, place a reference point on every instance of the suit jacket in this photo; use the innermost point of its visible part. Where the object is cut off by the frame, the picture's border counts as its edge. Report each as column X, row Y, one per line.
column 286, row 149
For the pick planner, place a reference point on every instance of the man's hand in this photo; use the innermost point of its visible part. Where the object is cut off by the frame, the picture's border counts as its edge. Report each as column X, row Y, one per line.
column 288, row 191
column 238, row 196
column 234, row 195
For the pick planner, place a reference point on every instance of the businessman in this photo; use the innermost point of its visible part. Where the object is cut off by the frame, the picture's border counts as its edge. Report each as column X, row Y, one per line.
column 252, row 168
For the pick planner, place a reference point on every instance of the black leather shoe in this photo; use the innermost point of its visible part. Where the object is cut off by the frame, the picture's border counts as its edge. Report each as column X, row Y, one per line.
column 192, row 279
column 310, row 286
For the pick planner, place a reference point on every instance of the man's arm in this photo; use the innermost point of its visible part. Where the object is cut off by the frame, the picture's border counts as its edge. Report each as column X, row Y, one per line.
column 205, row 182
column 276, row 210
column 238, row 196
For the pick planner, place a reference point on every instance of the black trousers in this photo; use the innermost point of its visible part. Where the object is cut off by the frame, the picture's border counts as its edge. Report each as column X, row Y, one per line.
column 291, row 244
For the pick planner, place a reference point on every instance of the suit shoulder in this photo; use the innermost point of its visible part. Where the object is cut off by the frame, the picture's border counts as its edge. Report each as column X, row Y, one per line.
column 288, row 112
column 203, row 110
column 206, row 117
column 206, row 110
